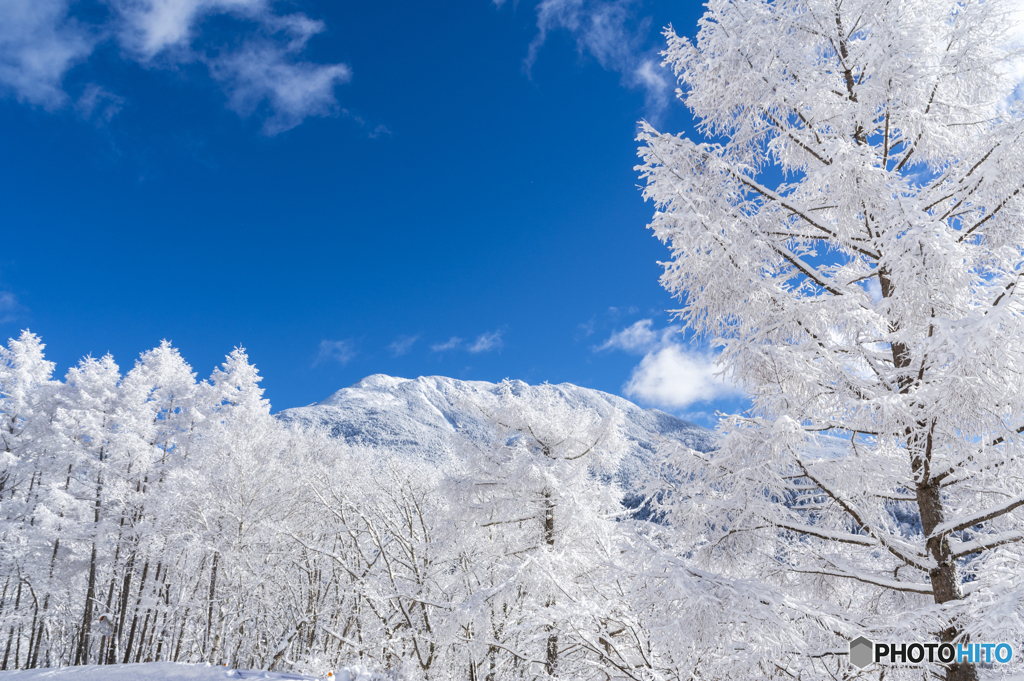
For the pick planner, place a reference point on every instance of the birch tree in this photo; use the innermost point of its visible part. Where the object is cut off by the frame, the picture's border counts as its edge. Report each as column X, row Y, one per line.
column 846, row 224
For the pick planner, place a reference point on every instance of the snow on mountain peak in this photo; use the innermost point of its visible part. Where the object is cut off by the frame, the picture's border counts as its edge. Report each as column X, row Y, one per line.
column 422, row 417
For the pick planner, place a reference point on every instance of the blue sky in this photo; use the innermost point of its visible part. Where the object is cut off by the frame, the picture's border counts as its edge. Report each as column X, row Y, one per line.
column 344, row 189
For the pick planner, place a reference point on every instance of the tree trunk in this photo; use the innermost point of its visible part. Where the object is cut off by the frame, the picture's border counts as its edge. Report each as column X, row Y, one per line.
column 181, row 635
column 213, row 591
column 944, row 578
column 551, row 658
column 90, row 595
column 129, row 568
column 34, row 660
column 10, row 636
column 135, row 615
column 32, row 635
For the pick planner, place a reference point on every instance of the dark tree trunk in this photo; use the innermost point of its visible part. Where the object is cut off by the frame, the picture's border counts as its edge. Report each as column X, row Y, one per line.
column 34, row 661
column 551, row 657
column 944, row 578
column 209, row 614
column 90, row 595
column 135, row 615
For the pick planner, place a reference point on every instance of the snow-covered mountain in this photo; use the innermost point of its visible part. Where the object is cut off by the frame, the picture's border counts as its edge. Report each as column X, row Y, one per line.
column 422, row 416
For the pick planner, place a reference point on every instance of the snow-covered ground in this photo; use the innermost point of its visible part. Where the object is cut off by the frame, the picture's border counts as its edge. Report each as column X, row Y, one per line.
column 170, row 671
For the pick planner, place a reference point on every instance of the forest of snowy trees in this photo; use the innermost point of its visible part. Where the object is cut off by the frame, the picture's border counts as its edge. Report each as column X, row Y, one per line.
column 849, row 231
column 148, row 516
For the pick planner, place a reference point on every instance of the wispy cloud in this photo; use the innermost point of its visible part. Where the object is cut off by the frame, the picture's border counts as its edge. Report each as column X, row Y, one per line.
column 613, row 33
column 340, row 351
column 40, row 40
column 486, row 342
column 369, row 129
column 450, row 344
column 9, row 307
column 263, row 72
column 658, row 87
column 588, row 326
column 402, row 345
column 152, row 27
column 97, row 103
column 638, row 338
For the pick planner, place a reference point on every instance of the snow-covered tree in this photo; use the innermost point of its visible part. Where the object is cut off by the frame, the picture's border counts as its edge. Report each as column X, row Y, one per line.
column 229, row 502
column 86, row 434
column 848, row 228
column 26, row 393
column 541, row 509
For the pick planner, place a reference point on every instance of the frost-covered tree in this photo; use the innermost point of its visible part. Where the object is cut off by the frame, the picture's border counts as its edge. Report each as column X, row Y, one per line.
column 484, row 563
column 390, row 533
column 229, row 503
column 849, row 228
column 26, row 394
column 541, row 511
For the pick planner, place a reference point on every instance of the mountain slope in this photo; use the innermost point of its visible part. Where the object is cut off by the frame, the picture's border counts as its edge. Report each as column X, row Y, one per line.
column 422, row 417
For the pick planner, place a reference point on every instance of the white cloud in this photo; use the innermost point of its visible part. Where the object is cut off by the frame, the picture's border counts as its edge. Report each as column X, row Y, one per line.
column 38, row 44
column 449, row 344
column 372, row 131
column 40, row 41
column 669, row 375
column 341, row 351
column 608, row 31
column 598, row 27
column 152, row 26
column 658, row 89
column 673, row 378
column 487, row 341
column 9, row 307
column 402, row 345
column 638, row 338
column 98, row 100
column 264, row 72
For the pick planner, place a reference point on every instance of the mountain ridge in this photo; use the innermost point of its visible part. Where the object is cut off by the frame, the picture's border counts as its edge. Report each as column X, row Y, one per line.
column 422, row 417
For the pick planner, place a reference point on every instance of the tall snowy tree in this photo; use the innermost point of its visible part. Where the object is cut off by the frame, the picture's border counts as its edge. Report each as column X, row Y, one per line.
column 230, row 499
column 848, row 228
column 26, row 393
column 25, row 388
column 541, row 509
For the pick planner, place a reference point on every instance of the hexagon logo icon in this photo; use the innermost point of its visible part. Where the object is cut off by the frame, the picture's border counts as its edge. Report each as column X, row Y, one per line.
column 860, row 652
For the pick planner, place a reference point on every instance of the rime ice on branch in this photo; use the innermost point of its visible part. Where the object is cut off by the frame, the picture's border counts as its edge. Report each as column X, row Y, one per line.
column 849, row 229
